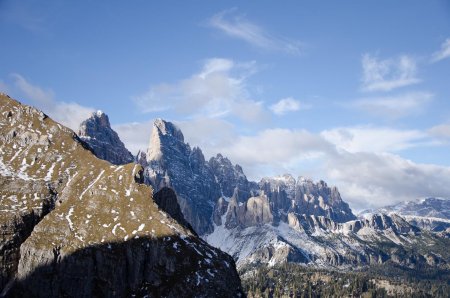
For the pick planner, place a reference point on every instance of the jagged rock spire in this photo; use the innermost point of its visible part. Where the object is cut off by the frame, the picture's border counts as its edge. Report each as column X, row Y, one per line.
column 103, row 141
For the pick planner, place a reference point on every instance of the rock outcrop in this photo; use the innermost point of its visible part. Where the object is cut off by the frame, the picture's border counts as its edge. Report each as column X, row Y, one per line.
column 231, row 176
column 254, row 212
column 104, row 142
column 303, row 196
column 73, row 225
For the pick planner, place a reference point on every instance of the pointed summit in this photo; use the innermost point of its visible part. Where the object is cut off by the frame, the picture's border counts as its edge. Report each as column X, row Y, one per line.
column 104, row 142
column 168, row 128
column 162, row 130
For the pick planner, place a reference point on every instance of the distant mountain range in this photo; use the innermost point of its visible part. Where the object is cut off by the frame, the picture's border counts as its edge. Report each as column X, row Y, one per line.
column 430, row 213
column 283, row 219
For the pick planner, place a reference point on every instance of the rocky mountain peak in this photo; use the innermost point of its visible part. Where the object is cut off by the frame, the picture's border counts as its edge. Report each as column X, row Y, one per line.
column 230, row 176
column 172, row 162
column 164, row 133
column 167, row 128
column 103, row 141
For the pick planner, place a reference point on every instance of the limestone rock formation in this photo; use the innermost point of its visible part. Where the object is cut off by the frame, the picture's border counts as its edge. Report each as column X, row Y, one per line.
column 306, row 197
column 230, row 176
column 104, row 142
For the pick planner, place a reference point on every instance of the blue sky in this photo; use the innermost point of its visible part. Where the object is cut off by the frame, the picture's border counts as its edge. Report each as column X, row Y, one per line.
column 352, row 92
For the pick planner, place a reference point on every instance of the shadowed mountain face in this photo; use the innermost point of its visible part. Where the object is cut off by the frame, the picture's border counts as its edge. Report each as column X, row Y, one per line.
column 71, row 222
column 152, row 267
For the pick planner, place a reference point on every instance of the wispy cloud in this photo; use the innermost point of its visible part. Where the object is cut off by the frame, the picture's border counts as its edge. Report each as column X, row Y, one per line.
column 388, row 74
column 374, row 139
column 441, row 131
column 68, row 113
column 286, row 105
column 443, row 53
column 396, row 106
column 135, row 135
column 35, row 93
column 237, row 26
column 217, row 90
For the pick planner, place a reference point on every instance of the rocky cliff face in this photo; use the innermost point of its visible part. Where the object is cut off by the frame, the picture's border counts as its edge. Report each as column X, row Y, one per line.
column 171, row 162
column 230, row 176
column 74, row 225
column 104, row 142
column 306, row 197
column 166, row 199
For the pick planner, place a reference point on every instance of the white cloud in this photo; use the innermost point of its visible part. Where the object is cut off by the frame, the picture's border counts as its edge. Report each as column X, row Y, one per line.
column 288, row 104
column 210, row 134
column 365, row 177
column 395, row 106
column 69, row 114
column 369, row 180
column 238, row 26
column 443, row 53
column 356, row 159
column 374, row 139
column 275, row 151
column 35, row 93
column 388, row 74
column 135, row 135
column 218, row 90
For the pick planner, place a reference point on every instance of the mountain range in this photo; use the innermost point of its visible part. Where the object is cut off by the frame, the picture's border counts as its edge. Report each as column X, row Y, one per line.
column 82, row 216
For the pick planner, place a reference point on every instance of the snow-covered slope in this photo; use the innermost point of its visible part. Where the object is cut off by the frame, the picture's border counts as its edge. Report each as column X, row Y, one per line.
column 319, row 242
